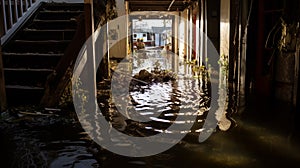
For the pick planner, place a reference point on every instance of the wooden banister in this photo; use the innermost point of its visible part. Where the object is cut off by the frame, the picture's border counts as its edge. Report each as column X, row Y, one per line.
column 14, row 14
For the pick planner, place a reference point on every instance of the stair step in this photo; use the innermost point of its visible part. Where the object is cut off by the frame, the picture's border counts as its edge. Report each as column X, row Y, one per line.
column 46, row 34
column 23, row 95
column 19, row 87
column 31, row 60
column 63, row 6
column 53, row 24
column 28, row 70
column 32, row 54
column 61, row 12
column 36, row 49
column 30, row 77
column 57, row 15
column 40, row 46
column 42, row 41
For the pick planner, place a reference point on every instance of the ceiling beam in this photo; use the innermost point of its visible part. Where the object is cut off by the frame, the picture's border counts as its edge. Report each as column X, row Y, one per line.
column 153, row 1
column 155, row 9
column 150, row 3
column 158, row 5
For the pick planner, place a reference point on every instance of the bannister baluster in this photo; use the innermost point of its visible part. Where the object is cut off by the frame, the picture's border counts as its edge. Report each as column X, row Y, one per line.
column 26, row 5
column 13, row 13
column 21, row 8
column 16, row 15
column 10, row 14
column 3, row 15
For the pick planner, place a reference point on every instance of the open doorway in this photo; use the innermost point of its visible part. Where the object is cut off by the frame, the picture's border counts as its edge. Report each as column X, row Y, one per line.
column 154, row 32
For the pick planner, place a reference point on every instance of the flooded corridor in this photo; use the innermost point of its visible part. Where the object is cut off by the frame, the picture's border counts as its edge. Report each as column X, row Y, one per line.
column 242, row 139
column 149, row 84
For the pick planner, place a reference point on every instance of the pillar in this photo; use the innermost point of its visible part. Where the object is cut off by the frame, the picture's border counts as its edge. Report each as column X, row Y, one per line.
column 2, row 85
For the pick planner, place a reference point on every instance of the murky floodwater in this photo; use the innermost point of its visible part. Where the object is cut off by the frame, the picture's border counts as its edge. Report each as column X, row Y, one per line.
column 45, row 141
column 158, row 104
column 33, row 139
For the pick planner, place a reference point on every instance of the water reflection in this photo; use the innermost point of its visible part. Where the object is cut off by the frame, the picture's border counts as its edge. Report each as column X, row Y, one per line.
column 223, row 122
column 160, row 103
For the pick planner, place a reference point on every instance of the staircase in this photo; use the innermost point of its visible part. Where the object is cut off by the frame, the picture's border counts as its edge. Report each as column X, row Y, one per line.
column 36, row 49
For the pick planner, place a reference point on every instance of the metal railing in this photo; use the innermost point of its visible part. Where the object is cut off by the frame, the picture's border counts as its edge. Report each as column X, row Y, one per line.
column 13, row 14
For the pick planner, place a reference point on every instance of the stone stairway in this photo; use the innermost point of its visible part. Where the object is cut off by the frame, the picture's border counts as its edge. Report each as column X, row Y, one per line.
column 36, row 49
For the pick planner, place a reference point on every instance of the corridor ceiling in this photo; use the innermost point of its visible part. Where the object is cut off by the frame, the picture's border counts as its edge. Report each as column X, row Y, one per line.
column 158, row 5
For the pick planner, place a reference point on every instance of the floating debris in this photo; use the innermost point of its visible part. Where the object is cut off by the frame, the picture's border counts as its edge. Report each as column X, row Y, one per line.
column 155, row 76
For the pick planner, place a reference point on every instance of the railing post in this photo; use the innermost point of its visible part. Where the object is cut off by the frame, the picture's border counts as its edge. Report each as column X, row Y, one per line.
column 3, row 25
column 2, row 85
column 3, row 30
column 89, row 18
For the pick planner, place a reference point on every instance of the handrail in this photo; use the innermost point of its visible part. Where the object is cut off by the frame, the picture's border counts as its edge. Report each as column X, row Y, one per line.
column 13, row 14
